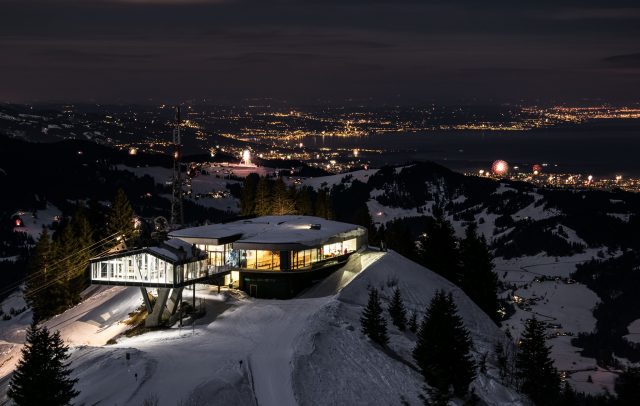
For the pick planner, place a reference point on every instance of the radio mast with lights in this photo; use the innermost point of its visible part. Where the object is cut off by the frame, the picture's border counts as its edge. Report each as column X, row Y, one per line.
column 177, row 213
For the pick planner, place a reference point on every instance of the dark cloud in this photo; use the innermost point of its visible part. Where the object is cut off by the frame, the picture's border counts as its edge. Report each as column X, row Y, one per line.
column 306, row 49
column 627, row 61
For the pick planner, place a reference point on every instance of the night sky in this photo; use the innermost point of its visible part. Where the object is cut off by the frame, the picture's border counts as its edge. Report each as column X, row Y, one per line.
column 309, row 51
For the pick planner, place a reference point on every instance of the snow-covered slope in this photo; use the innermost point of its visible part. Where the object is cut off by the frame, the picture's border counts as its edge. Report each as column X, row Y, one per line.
column 307, row 350
column 33, row 222
column 92, row 322
column 540, row 280
column 361, row 373
column 332, row 180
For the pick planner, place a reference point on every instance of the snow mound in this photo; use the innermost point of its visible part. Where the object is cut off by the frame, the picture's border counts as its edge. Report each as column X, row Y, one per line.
column 634, row 332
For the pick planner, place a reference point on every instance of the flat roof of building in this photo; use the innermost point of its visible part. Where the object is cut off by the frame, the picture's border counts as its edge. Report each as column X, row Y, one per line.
column 271, row 232
column 175, row 251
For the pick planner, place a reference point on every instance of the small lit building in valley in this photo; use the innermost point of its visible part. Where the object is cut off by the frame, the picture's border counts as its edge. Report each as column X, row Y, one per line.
column 269, row 257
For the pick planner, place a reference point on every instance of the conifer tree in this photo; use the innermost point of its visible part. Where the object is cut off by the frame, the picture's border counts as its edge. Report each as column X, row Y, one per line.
column 627, row 387
column 39, row 274
column 304, row 204
column 443, row 350
column 328, row 204
column 398, row 237
column 120, row 218
column 263, row 197
column 42, row 376
column 567, row 397
column 96, row 215
column 479, row 281
column 248, row 198
column 372, row 321
column 438, row 249
column 66, row 249
column 323, row 206
column 362, row 218
column 281, row 203
column 413, row 322
column 83, row 239
column 397, row 311
column 538, row 377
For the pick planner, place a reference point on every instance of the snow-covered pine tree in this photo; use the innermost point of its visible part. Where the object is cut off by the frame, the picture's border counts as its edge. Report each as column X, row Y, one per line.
column 397, row 311
column 42, row 375
column 538, row 377
column 443, row 350
column 372, row 321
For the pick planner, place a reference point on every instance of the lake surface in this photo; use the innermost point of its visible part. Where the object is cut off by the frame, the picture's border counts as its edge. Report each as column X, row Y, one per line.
column 606, row 149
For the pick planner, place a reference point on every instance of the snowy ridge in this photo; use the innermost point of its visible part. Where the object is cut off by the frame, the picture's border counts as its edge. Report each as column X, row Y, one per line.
column 332, row 180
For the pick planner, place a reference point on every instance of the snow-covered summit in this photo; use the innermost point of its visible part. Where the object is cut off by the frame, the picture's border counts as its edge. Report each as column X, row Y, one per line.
column 307, row 350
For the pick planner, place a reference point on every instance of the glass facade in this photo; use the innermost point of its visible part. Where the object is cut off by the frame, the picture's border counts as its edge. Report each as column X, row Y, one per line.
column 258, row 259
column 339, row 248
column 263, row 260
column 217, row 254
column 146, row 268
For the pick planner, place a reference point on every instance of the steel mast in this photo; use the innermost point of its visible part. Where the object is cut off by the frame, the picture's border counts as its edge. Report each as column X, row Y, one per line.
column 177, row 213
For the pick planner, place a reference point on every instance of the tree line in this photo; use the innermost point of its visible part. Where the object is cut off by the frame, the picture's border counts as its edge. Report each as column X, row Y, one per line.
column 443, row 355
column 443, row 346
column 58, row 269
column 466, row 262
column 262, row 196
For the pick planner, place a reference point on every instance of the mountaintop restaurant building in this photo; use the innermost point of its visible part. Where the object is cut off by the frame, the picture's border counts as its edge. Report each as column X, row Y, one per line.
column 271, row 256
column 276, row 256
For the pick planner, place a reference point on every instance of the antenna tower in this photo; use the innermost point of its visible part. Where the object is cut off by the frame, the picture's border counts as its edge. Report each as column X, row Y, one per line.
column 177, row 213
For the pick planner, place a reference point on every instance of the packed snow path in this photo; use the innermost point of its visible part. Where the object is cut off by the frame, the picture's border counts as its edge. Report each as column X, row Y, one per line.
column 271, row 363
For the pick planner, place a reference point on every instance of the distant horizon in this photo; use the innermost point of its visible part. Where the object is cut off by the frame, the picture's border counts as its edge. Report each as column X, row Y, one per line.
column 350, row 103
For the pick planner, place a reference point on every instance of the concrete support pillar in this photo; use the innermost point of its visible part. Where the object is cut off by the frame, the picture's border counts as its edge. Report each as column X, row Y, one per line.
column 155, row 317
column 145, row 297
column 174, row 300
